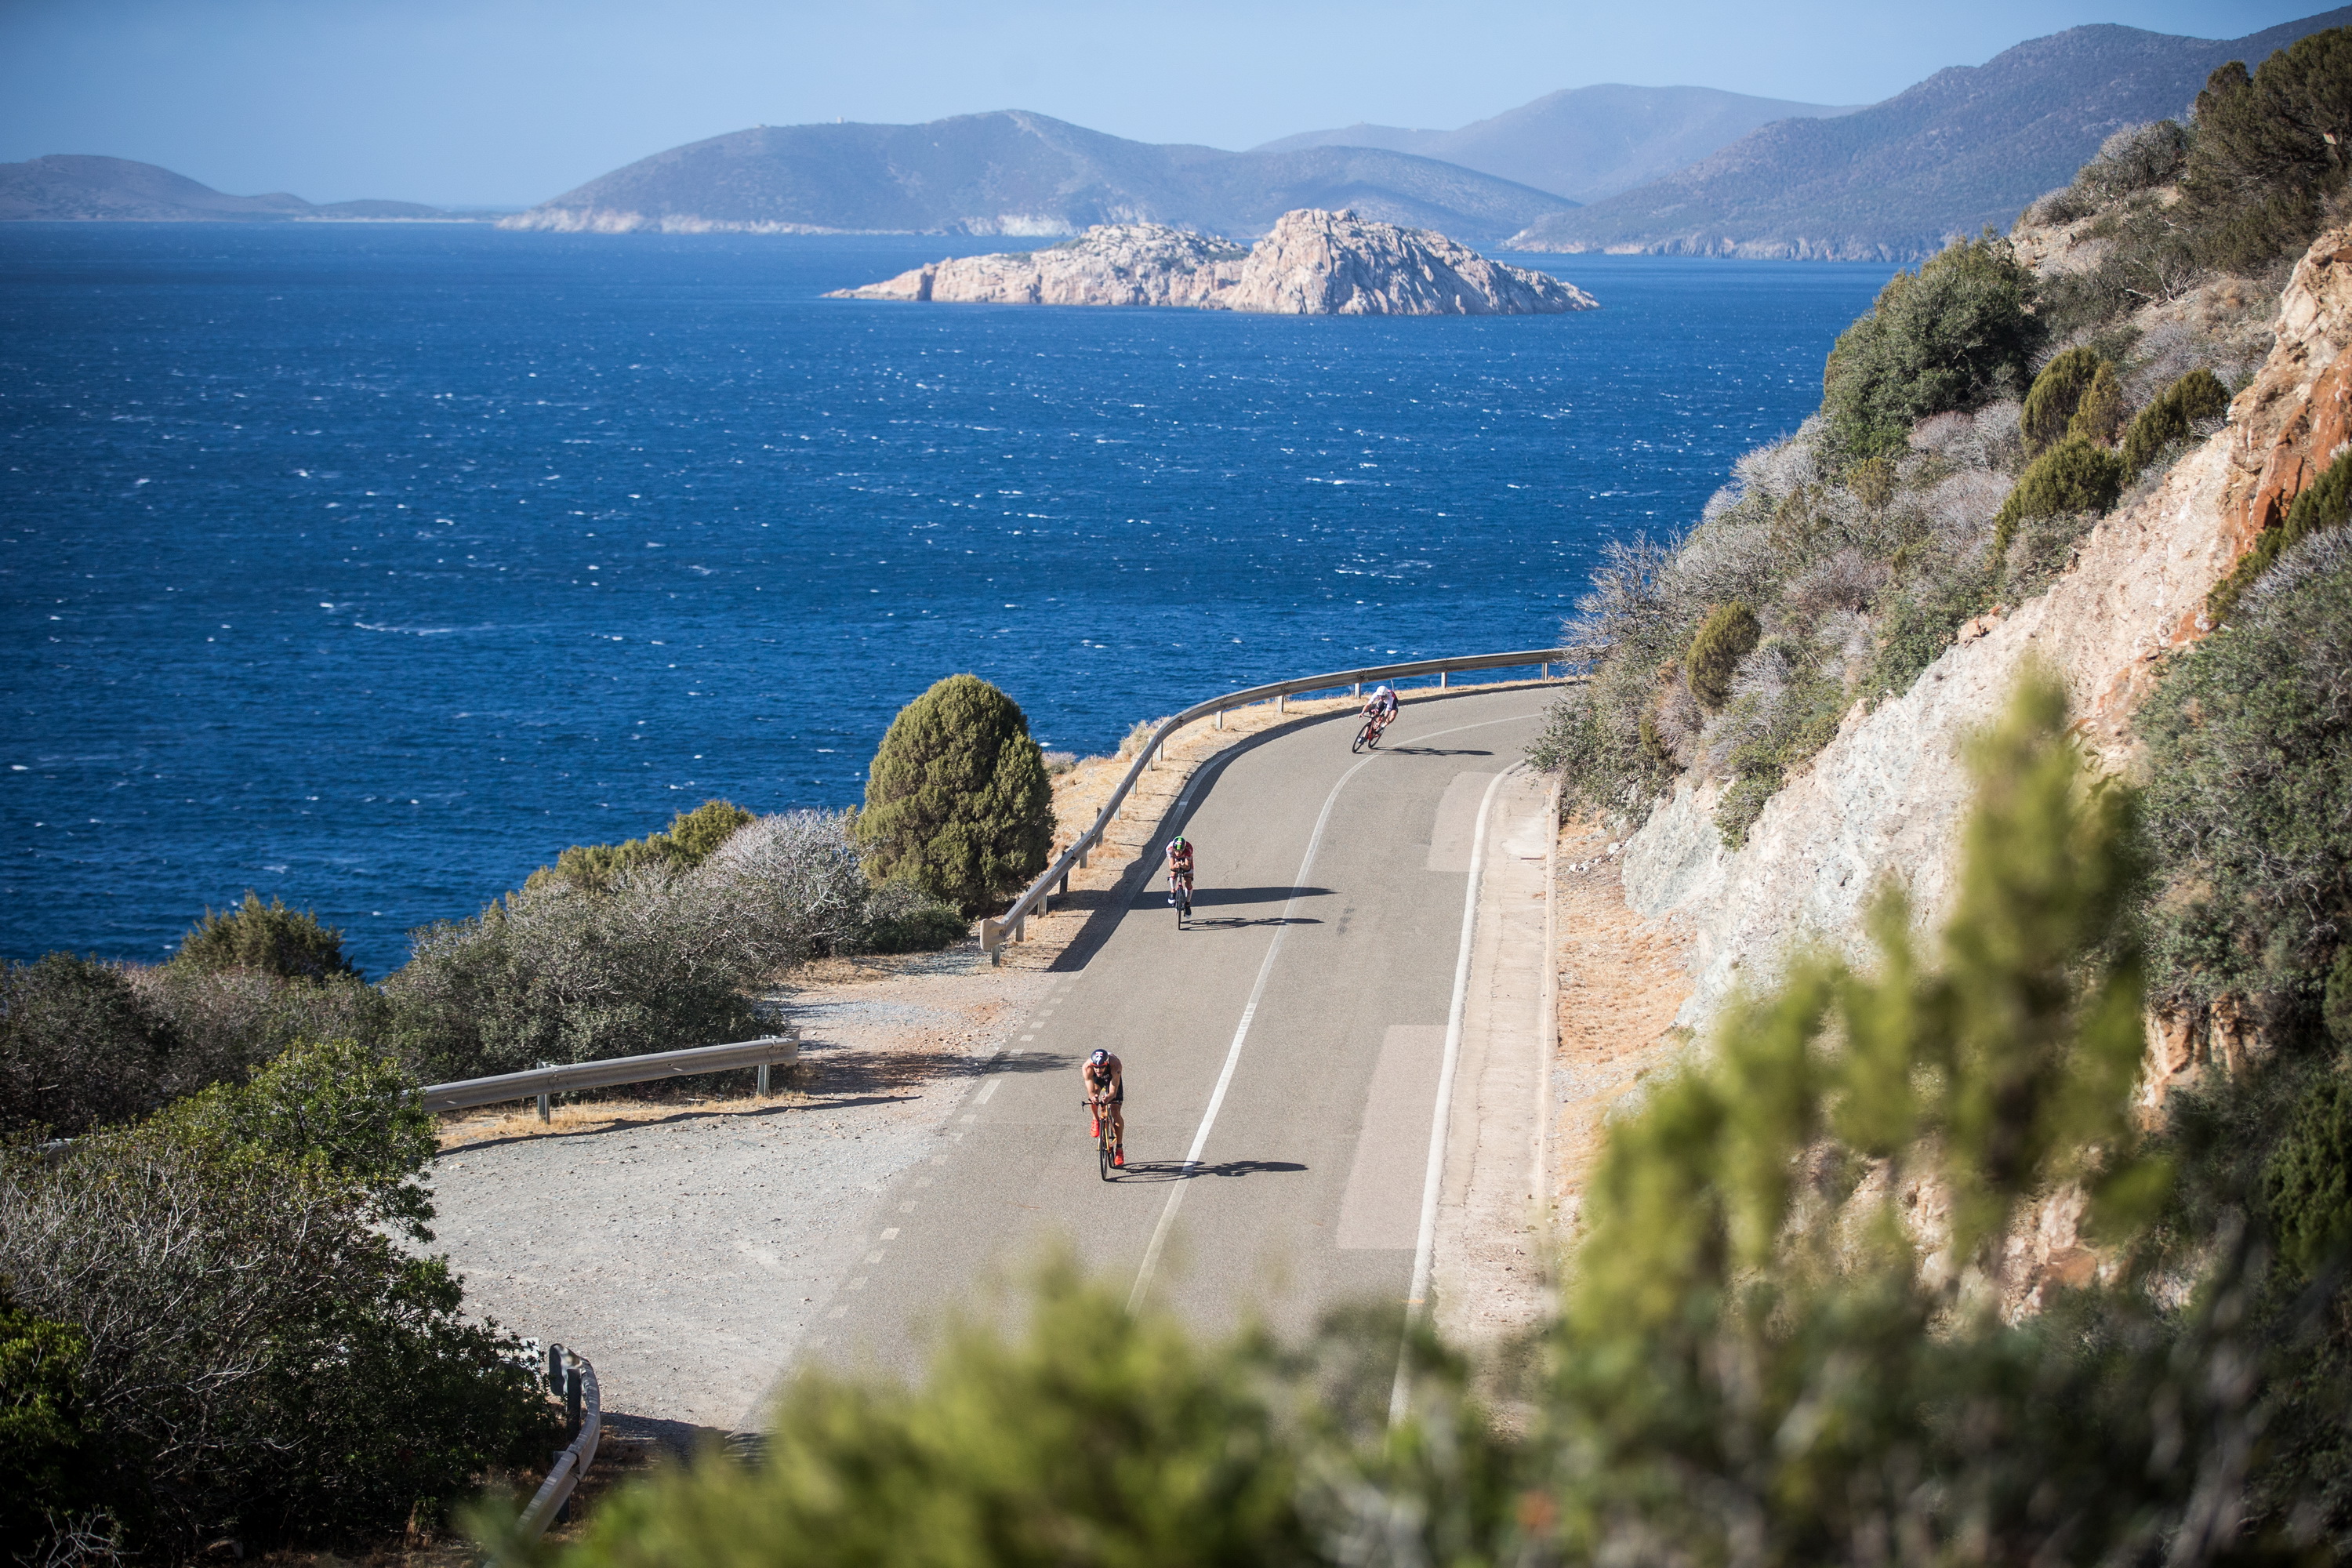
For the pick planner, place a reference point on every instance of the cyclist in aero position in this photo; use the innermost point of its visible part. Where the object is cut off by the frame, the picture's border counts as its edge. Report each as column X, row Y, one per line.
column 1179, row 869
column 1380, row 707
column 1106, row 1080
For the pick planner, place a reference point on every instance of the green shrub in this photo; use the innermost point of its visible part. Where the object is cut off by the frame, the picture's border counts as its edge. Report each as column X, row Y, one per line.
column 957, row 802
column 2173, row 415
column 2056, row 392
column 901, row 919
column 2268, row 150
column 76, row 1048
column 1957, row 335
column 2099, row 416
column 2249, row 738
column 2307, row 1183
column 46, row 1444
column 692, row 837
column 554, row 975
column 1930, row 603
column 2326, row 503
column 2077, row 475
column 265, row 1360
column 271, row 938
column 1728, row 635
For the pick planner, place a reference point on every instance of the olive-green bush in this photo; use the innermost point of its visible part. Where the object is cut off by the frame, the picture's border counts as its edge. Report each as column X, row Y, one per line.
column 2056, row 392
column 47, row 1443
column 2172, row 416
column 1957, row 335
column 1728, row 635
column 691, row 837
column 2268, row 150
column 2249, row 740
column 265, row 1360
column 2307, row 1180
column 2077, row 475
column 270, row 938
column 957, row 801
column 76, row 1048
column 2324, row 505
column 2099, row 416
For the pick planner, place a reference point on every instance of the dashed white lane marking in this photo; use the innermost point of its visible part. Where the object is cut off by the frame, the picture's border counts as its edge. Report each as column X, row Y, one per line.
column 985, row 1090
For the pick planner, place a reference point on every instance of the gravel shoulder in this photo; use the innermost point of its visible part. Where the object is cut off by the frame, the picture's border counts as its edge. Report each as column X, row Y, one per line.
column 686, row 1247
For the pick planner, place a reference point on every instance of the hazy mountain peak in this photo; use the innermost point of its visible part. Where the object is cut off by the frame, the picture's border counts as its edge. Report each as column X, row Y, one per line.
column 1583, row 143
column 1967, row 147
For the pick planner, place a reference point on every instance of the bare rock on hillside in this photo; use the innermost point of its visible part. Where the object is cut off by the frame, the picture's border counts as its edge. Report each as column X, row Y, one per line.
column 1886, row 800
column 1314, row 263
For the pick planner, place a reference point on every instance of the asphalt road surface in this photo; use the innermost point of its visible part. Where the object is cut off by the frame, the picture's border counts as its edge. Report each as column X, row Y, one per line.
column 1282, row 1054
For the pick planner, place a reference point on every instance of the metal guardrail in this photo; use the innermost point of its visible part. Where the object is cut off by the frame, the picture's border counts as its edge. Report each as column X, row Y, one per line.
column 574, row 1380
column 1056, row 877
column 539, row 1083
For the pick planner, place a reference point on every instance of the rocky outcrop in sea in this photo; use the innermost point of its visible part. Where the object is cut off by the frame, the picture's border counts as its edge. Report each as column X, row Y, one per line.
column 1313, row 263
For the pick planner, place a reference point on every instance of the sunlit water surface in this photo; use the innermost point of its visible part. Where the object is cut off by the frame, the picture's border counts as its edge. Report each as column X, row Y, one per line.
column 370, row 565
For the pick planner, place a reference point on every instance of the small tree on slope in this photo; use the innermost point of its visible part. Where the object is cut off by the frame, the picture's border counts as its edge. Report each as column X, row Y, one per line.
column 957, row 802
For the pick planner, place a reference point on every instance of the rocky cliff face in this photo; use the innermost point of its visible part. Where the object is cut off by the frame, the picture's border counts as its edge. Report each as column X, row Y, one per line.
column 1314, row 263
column 1885, row 800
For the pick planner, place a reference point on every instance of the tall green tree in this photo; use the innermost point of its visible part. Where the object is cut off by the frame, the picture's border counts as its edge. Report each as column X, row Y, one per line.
column 957, row 801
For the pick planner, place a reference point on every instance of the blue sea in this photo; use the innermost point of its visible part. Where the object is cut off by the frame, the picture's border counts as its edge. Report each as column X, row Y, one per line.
column 368, row 567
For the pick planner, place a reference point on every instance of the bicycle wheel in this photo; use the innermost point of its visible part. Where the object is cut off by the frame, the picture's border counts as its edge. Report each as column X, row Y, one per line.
column 1102, row 1150
column 1365, row 737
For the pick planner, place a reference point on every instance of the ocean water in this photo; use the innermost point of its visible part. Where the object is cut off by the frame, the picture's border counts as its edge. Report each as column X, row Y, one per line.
column 370, row 565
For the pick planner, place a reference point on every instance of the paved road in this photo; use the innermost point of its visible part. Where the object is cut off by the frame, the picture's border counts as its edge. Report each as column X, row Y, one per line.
column 1325, row 941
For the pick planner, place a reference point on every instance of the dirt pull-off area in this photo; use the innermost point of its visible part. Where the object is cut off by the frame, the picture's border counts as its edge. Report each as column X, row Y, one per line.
column 1622, row 980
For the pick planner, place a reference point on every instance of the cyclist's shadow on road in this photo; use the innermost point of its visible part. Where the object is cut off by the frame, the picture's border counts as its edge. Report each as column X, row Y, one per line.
column 1181, row 1171
column 1436, row 752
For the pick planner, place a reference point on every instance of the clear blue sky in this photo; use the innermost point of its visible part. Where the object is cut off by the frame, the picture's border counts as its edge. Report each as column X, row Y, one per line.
column 506, row 102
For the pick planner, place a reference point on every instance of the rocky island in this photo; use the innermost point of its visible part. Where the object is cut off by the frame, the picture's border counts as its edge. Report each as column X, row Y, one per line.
column 1313, row 263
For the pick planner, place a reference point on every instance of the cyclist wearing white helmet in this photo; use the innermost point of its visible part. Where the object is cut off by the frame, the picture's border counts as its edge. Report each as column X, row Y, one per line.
column 1179, row 868
column 1106, row 1079
column 1382, row 706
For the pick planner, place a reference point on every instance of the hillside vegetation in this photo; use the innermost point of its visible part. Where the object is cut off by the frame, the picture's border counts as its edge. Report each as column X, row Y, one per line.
column 1973, row 425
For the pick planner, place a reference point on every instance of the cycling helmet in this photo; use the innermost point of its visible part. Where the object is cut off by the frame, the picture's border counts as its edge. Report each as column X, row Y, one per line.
column 1380, row 690
column 1099, row 1056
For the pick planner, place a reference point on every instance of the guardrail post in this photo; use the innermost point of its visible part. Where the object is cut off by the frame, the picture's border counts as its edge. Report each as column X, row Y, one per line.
column 764, row 1081
column 1020, row 928
column 1221, row 718
column 1441, row 678
column 991, row 938
column 1357, row 690
column 1281, row 702
column 1082, row 857
column 1547, row 672
column 544, row 1115
column 1065, row 888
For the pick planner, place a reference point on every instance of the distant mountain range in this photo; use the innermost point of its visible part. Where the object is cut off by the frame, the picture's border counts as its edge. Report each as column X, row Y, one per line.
column 1675, row 169
column 1014, row 173
column 81, row 186
column 1967, row 147
column 1586, row 142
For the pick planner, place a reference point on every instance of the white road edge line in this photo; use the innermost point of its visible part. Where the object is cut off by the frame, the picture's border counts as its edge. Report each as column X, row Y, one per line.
column 1161, row 1232
column 1432, row 1182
